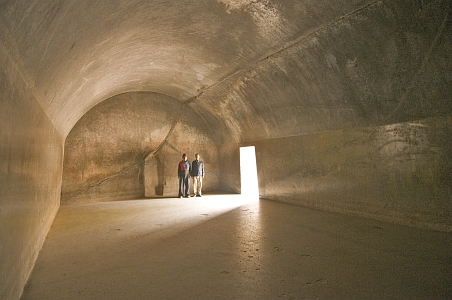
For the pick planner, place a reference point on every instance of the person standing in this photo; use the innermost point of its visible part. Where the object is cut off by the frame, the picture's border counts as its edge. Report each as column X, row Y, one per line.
column 197, row 174
column 183, row 172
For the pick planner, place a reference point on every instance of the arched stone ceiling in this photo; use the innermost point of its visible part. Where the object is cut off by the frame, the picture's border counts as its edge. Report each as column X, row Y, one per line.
column 255, row 63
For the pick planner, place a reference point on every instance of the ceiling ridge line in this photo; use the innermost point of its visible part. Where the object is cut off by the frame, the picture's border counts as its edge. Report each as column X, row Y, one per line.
column 165, row 141
column 280, row 51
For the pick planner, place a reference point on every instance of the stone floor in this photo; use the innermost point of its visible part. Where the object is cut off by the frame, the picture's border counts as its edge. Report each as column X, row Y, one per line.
column 233, row 247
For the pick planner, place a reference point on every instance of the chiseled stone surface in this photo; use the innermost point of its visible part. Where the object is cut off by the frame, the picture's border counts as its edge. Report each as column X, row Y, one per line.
column 398, row 173
column 359, row 89
column 31, row 157
column 107, row 152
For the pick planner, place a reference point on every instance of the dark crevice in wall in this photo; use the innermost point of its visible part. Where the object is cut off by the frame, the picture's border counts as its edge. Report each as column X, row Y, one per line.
column 93, row 185
column 137, row 165
column 165, row 141
column 178, row 116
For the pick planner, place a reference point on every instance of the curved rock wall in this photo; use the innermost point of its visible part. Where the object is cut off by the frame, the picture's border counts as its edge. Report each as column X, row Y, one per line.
column 31, row 157
column 380, row 65
column 398, row 173
column 105, row 153
column 333, row 81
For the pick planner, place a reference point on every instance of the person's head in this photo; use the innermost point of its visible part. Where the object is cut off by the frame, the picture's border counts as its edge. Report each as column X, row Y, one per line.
column 197, row 156
column 184, row 156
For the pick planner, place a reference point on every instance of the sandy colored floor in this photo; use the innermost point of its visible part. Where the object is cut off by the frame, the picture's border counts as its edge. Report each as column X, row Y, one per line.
column 228, row 247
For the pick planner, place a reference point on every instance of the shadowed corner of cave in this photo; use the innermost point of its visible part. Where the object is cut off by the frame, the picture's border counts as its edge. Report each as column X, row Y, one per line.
column 344, row 108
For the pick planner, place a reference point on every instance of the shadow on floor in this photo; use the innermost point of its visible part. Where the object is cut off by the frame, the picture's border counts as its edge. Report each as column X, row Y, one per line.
column 231, row 247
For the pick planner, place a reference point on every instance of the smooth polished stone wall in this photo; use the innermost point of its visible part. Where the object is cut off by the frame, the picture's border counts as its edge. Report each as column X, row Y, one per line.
column 31, row 157
column 399, row 173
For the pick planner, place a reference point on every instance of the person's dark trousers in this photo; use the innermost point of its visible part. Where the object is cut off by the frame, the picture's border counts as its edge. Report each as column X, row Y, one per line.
column 184, row 185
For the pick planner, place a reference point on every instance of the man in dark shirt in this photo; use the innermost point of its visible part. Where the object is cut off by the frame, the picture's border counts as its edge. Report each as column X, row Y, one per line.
column 183, row 172
column 197, row 174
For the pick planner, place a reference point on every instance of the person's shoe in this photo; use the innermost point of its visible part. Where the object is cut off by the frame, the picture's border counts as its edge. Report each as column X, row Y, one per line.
column 198, row 195
column 186, row 196
column 180, row 196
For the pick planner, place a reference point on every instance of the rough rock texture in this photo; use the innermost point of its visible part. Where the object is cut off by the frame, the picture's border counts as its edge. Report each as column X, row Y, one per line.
column 357, row 91
column 133, row 141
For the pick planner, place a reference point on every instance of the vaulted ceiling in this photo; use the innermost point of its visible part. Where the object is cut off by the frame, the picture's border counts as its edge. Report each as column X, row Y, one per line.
column 252, row 69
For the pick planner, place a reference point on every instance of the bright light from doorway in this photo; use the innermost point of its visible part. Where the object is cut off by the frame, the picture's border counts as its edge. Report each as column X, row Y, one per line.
column 248, row 172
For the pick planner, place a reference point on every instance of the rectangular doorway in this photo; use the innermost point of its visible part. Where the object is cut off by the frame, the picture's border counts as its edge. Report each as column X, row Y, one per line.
column 248, row 172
